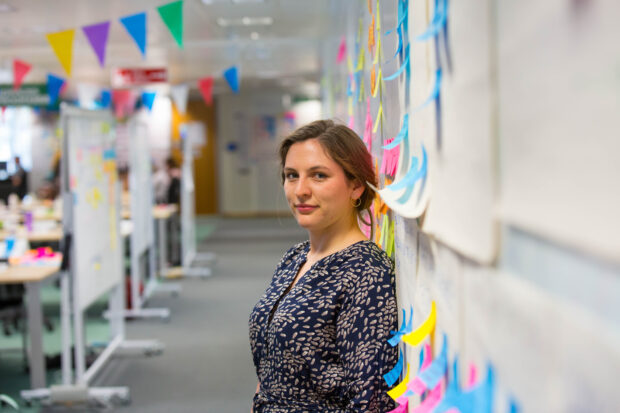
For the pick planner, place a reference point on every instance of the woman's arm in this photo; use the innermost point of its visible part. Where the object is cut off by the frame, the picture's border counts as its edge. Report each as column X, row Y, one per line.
column 363, row 327
column 257, row 389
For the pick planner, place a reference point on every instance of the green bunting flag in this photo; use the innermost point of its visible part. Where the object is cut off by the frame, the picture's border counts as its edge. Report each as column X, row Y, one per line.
column 172, row 15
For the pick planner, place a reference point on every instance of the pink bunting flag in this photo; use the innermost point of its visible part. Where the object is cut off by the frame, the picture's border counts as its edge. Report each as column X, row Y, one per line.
column 368, row 126
column 20, row 70
column 389, row 163
column 206, row 89
column 124, row 101
column 342, row 50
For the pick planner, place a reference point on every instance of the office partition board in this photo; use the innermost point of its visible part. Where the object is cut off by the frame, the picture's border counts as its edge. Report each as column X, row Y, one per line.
column 93, row 183
column 192, row 132
column 140, row 188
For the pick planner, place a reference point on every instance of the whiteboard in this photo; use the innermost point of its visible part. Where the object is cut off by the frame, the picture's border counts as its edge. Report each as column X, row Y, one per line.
column 140, row 187
column 559, row 124
column 94, row 214
column 461, row 211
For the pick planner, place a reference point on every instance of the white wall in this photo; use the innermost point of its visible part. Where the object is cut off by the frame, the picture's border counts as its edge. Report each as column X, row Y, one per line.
column 248, row 174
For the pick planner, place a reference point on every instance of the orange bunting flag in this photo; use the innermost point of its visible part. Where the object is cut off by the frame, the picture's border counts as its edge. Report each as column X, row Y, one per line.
column 62, row 43
column 20, row 70
column 369, row 7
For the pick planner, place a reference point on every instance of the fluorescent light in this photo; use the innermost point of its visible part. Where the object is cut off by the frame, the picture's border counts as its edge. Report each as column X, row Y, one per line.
column 245, row 21
column 6, row 8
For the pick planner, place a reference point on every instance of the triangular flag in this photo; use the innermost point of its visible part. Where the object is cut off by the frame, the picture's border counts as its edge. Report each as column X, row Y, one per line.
column 123, row 102
column 342, row 50
column 20, row 70
column 179, row 96
column 232, row 77
column 106, row 97
column 62, row 43
column 206, row 89
column 54, row 84
column 172, row 15
column 135, row 25
column 148, row 98
column 97, row 35
column 87, row 95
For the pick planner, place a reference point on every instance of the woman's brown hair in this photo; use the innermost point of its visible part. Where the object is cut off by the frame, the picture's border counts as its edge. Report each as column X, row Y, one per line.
column 346, row 148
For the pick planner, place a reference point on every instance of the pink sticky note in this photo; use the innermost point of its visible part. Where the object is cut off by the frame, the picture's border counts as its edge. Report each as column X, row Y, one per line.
column 342, row 50
column 351, row 122
column 431, row 401
column 473, row 374
column 402, row 408
column 428, row 356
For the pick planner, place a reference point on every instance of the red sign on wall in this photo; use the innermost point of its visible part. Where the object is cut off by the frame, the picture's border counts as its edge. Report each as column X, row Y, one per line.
column 123, row 77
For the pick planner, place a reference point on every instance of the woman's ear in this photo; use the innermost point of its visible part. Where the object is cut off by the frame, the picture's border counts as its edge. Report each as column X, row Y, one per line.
column 357, row 189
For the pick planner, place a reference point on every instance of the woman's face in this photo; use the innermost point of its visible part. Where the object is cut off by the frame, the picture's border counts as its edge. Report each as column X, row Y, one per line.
column 316, row 187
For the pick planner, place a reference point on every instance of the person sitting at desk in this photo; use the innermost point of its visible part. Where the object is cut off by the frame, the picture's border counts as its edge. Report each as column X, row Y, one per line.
column 19, row 179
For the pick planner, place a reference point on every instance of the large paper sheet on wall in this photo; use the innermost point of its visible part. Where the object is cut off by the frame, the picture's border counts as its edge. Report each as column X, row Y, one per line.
column 548, row 354
column 559, row 123
column 456, row 130
column 94, row 185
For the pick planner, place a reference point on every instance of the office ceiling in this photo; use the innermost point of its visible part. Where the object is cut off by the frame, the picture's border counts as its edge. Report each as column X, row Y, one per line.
column 216, row 35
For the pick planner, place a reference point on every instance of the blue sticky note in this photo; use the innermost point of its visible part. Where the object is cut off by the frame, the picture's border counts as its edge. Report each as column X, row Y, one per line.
column 106, row 98
column 404, row 131
column 413, row 174
column 392, row 376
column 437, row 369
column 437, row 23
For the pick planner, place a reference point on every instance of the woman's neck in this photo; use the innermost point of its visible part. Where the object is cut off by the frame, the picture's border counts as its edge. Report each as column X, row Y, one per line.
column 330, row 240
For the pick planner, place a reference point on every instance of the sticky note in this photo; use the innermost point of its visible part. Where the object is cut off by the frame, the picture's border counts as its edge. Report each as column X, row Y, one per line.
column 397, row 391
column 415, row 337
column 392, row 376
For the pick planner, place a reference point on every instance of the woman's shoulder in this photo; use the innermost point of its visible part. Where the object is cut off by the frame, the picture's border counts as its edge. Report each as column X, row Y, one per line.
column 365, row 257
column 293, row 252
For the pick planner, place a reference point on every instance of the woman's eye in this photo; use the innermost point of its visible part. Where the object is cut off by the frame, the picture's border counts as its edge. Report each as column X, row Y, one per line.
column 320, row 175
column 290, row 176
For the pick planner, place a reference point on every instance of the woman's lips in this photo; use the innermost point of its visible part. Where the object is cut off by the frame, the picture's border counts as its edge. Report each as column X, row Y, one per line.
column 305, row 209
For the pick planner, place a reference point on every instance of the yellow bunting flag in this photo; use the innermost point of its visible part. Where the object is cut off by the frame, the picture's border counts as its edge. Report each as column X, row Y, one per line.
column 62, row 43
column 362, row 94
column 378, row 18
column 378, row 51
column 379, row 118
column 415, row 337
column 349, row 64
column 401, row 388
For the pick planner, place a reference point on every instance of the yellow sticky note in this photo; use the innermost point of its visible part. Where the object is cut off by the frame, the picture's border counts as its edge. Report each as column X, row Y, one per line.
column 378, row 18
column 360, row 60
column 105, row 128
column 379, row 118
column 350, row 110
column 400, row 388
column 418, row 335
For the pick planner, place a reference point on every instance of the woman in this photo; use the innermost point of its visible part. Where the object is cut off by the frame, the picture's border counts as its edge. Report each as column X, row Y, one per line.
column 319, row 333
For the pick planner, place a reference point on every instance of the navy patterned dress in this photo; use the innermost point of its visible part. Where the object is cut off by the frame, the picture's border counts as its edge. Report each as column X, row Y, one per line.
column 322, row 346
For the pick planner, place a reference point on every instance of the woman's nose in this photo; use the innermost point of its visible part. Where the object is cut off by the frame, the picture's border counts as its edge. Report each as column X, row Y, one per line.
column 302, row 189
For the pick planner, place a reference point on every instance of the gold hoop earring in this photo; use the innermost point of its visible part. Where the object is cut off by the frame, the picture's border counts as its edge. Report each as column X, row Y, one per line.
column 356, row 202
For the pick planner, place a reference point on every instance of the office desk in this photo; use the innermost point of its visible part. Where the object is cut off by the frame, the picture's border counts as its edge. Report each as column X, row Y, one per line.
column 163, row 213
column 32, row 277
